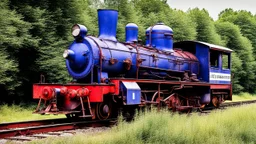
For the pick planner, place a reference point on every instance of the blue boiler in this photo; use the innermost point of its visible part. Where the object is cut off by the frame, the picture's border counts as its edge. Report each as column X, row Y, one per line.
column 106, row 57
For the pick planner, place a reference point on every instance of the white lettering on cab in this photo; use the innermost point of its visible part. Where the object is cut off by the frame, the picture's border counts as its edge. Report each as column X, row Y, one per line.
column 219, row 77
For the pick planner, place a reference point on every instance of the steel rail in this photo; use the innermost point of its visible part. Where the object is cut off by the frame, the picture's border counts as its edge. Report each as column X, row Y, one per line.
column 54, row 127
column 22, row 124
column 229, row 104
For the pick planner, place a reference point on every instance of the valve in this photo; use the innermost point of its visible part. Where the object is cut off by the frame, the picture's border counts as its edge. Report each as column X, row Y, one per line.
column 83, row 92
column 48, row 93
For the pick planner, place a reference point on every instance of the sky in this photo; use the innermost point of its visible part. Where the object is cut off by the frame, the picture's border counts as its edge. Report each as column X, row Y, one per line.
column 214, row 7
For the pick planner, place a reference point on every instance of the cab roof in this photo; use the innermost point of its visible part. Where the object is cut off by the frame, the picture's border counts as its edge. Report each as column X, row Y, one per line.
column 211, row 46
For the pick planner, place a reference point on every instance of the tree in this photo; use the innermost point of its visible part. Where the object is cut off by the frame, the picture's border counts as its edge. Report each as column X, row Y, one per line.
column 204, row 26
column 246, row 22
column 49, row 25
column 243, row 49
column 184, row 28
column 237, row 72
column 14, row 35
column 152, row 6
column 86, row 15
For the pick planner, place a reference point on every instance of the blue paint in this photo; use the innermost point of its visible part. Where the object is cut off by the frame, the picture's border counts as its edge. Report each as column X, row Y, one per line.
column 107, row 20
column 220, row 61
column 83, row 64
column 70, row 55
column 83, row 31
column 202, row 53
column 84, row 55
column 131, row 33
column 160, row 36
column 206, row 97
column 219, row 82
column 224, row 71
column 220, row 71
column 82, row 61
column 104, row 76
column 131, row 91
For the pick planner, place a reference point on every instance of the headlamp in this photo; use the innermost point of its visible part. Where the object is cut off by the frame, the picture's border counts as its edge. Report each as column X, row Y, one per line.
column 75, row 30
column 79, row 31
column 68, row 54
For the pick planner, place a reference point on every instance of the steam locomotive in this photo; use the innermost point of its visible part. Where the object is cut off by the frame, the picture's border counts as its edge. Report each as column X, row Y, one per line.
column 112, row 76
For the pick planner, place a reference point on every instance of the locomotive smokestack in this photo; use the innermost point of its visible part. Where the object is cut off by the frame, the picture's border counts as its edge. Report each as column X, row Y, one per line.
column 107, row 20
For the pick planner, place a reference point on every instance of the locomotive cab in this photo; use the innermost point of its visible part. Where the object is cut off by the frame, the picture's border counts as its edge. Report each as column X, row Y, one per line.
column 220, row 75
column 220, row 62
column 215, row 68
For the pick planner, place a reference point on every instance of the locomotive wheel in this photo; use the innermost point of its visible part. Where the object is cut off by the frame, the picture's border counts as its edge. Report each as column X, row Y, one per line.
column 103, row 110
column 215, row 102
column 174, row 103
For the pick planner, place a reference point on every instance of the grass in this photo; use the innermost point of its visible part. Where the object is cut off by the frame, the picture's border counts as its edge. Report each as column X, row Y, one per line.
column 21, row 113
column 244, row 96
column 235, row 125
column 232, row 126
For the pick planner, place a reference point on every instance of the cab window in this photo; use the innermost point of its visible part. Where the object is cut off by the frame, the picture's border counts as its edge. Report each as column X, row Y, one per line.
column 225, row 61
column 214, row 59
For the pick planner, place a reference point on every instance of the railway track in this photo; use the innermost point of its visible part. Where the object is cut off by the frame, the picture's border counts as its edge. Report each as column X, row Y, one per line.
column 22, row 124
column 228, row 104
column 14, row 129
column 237, row 103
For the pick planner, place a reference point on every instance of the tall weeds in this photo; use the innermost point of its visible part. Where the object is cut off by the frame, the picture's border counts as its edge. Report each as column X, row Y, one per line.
column 235, row 126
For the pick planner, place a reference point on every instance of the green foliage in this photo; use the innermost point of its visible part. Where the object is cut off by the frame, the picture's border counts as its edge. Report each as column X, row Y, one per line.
column 234, row 125
column 204, row 26
column 14, row 36
column 184, row 28
column 34, row 34
column 236, row 70
column 245, row 20
column 8, row 71
column 150, row 6
column 233, row 38
column 247, row 25
column 86, row 15
column 51, row 62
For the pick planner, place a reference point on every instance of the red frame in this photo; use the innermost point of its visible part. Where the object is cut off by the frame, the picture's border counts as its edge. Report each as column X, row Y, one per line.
column 97, row 91
column 223, row 87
